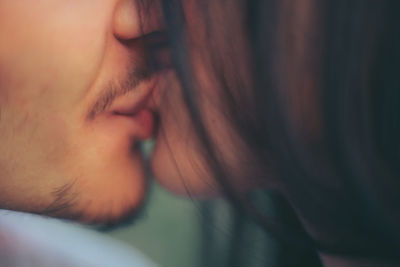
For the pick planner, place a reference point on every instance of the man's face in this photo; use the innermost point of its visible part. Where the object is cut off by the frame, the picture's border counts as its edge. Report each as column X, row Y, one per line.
column 74, row 85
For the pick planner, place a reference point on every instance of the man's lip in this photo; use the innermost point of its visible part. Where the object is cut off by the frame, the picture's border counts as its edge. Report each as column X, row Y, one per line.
column 134, row 101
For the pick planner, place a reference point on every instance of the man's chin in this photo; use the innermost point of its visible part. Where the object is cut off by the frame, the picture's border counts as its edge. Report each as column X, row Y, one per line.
column 103, row 209
column 105, row 218
column 127, row 219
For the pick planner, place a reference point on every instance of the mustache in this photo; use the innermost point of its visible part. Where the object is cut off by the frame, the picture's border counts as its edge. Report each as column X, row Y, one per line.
column 154, row 58
column 117, row 88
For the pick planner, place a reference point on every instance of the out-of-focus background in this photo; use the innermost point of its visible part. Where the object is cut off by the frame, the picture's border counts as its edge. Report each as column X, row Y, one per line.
column 168, row 231
column 181, row 232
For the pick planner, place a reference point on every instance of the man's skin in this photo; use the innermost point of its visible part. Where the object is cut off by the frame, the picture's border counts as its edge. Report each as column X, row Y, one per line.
column 75, row 87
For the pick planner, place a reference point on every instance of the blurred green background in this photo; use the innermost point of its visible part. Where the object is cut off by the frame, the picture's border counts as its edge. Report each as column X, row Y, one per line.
column 168, row 232
column 183, row 232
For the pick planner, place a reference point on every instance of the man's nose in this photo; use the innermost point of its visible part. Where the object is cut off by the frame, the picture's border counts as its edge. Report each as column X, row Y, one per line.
column 133, row 19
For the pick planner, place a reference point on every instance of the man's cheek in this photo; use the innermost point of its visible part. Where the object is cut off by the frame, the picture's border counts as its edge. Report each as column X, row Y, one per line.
column 32, row 163
column 35, row 143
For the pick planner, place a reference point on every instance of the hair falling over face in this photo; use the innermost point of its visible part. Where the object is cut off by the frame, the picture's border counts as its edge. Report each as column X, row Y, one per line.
column 310, row 88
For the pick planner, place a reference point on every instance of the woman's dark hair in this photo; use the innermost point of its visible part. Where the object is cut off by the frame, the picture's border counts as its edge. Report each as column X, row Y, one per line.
column 324, row 89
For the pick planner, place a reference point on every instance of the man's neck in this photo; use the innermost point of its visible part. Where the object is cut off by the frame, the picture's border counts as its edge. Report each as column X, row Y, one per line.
column 329, row 260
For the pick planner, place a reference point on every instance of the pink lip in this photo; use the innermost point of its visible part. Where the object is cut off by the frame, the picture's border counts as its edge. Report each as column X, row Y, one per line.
column 145, row 118
column 132, row 104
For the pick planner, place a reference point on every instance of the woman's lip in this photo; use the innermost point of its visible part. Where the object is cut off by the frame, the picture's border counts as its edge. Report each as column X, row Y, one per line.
column 141, row 125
